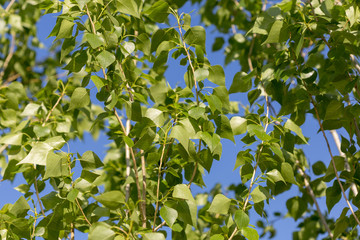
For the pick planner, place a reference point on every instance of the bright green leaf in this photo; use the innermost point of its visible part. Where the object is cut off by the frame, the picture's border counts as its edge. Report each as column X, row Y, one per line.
column 241, row 219
column 220, row 205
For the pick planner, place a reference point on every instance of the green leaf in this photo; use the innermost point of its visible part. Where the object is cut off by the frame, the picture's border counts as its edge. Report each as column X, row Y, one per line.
column 295, row 128
column 80, row 98
column 220, row 205
column 169, row 215
column 217, row 75
column 78, row 60
column 56, row 166
column 127, row 48
column 67, row 47
column 55, row 142
column 242, row 82
column 242, row 158
column 105, row 58
column 319, row 168
column 131, row 7
column 287, row 172
column 20, row 208
column 334, row 110
column 241, row 219
column 158, row 12
column 65, row 30
column 50, row 200
column 101, row 230
column 72, row 195
column 99, row 82
column 333, row 195
column 217, row 237
column 12, row 139
column 94, row 40
column 90, row 161
column 38, row 154
column 212, row 141
column 111, row 199
column 201, row 74
column 155, row 115
column 275, row 176
column 238, row 125
column 196, row 36
column 258, row 131
column 30, row 110
column 224, row 129
column 250, row 233
column 154, row 236
column 259, row 194
column 275, row 33
column 296, row 207
column 82, row 3
column 183, row 192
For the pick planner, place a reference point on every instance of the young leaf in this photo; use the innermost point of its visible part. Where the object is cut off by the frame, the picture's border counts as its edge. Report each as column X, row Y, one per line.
column 183, row 192
column 220, row 205
column 295, row 128
column 196, row 36
column 241, row 219
column 169, row 215
column 260, row 194
column 80, row 98
column 105, row 58
column 250, row 233
column 111, row 199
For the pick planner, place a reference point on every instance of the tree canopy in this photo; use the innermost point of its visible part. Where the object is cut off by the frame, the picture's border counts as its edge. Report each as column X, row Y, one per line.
column 106, row 73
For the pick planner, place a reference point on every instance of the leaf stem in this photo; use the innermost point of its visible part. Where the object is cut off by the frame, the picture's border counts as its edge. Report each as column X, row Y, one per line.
column 91, row 21
column 53, row 108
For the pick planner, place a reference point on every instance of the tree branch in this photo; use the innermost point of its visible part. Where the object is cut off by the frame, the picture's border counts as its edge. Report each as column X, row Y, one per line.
column 127, row 159
column 332, row 158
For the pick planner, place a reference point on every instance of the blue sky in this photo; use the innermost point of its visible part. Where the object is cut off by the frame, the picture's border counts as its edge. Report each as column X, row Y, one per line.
column 222, row 171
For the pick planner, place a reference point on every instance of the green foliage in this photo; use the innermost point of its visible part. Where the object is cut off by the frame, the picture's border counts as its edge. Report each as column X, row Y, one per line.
column 105, row 73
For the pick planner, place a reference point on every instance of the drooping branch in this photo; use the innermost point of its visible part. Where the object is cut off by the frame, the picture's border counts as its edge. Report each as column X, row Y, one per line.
column 38, row 197
column 332, row 159
column 311, row 193
column 9, row 56
column 256, row 164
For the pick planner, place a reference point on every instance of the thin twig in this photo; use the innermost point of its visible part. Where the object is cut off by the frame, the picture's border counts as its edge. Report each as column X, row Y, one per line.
column 189, row 58
column 82, row 212
column 160, row 226
column 311, row 193
column 53, row 108
column 9, row 6
column 143, row 169
column 195, row 168
column 158, row 182
column 72, row 231
column 250, row 53
column 91, row 21
column 3, row 147
column 9, row 56
column 127, row 159
column 135, row 167
column 38, row 197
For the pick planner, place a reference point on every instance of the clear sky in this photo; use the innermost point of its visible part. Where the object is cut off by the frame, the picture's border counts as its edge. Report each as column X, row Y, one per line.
column 222, row 171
